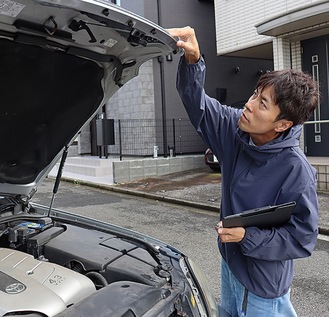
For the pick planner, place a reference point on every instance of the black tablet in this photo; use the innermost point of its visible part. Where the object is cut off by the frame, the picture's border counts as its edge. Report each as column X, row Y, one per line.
column 264, row 217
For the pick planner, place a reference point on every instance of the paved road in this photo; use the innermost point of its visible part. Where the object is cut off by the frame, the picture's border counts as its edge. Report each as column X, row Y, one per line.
column 190, row 230
column 203, row 188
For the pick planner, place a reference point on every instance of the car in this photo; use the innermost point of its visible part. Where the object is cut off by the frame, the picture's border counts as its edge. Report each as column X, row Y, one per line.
column 212, row 161
column 60, row 62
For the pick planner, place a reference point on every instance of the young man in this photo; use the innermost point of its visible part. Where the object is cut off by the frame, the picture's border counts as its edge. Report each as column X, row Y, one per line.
column 262, row 164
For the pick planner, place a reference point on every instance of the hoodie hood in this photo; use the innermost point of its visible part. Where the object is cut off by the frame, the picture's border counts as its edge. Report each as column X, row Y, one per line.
column 288, row 139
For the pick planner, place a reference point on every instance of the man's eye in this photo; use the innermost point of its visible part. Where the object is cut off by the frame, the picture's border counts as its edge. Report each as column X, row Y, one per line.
column 255, row 94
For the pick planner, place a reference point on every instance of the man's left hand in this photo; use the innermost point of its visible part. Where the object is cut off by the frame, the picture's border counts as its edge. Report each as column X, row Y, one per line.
column 235, row 234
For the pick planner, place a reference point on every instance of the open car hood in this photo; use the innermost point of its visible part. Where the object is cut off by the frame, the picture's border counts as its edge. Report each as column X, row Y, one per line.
column 60, row 62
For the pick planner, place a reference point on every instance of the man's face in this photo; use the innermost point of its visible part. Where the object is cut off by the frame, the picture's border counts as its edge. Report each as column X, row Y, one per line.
column 259, row 117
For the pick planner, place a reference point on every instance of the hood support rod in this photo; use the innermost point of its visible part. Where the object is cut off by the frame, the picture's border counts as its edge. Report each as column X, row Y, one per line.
column 58, row 177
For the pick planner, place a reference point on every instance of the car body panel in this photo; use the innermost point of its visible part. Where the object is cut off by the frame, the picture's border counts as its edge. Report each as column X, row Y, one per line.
column 211, row 160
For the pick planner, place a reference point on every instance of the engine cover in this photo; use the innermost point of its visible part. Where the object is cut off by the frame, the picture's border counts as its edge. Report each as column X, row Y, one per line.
column 27, row 284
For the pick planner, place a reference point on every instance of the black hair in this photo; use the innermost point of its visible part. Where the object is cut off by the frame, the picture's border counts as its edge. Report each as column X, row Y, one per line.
column 295, row 92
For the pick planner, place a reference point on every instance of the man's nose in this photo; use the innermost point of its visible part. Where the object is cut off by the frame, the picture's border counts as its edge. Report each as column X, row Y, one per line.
column 248, row 106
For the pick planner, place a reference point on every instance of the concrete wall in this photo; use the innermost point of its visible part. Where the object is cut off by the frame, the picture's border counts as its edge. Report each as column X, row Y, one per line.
column 135, row 100
column 130, row 170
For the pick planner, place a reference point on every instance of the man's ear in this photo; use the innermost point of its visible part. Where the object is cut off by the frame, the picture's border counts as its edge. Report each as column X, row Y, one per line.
column 283, row 125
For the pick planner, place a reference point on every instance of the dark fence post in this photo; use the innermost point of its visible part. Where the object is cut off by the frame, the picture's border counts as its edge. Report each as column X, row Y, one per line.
column 120, row 140
column 174, row 134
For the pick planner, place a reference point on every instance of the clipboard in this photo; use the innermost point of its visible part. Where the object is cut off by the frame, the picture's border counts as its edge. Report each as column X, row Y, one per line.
column 264, row 217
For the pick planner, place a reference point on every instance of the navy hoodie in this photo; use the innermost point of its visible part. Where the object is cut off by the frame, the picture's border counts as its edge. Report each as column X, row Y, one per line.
column 271, row 174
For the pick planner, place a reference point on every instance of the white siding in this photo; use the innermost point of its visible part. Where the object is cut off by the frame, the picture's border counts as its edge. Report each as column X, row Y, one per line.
column 296, row 62
column 236, row 20
column 281, row 53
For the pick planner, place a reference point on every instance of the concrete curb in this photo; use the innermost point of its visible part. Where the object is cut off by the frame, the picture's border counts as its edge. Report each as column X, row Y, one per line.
column 144, row 195
column 114, row 188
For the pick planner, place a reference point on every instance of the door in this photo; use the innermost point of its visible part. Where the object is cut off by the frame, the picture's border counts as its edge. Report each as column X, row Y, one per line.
column 315, row 62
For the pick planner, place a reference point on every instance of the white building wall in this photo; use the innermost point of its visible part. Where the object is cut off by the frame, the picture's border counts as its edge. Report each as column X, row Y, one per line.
column 296, row 63
column 296, row 56
column 236, row 20
column 281, row 53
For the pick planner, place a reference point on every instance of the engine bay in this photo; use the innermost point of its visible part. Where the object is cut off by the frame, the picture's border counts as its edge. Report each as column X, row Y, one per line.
column 50, row 268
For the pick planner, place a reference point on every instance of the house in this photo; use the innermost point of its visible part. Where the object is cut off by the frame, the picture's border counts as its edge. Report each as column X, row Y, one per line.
column 152, row 96
column 292, row 33
column 239, row 40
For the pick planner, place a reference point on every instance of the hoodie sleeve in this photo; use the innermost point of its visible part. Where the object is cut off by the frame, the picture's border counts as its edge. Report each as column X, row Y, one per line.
column 214, row 122
column 296, row 239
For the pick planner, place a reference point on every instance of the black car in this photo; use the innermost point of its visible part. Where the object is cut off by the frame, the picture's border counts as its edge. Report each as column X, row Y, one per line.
column 211, row 160
column 60, row 62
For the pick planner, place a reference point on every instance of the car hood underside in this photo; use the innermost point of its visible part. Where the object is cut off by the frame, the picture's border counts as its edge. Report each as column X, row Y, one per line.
column 44, row 102
column 59, row 64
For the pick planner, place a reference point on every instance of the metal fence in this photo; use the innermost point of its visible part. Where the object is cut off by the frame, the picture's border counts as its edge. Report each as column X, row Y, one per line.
column 142, row 137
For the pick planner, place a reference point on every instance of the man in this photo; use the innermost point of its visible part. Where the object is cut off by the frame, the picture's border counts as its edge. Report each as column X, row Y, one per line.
column 262, row 164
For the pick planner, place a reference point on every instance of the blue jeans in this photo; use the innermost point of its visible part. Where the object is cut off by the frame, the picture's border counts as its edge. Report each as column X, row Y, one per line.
column 237, row 302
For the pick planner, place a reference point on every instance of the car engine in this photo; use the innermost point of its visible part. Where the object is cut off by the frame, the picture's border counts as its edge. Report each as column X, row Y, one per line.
column 54, row 268
column 28, row 284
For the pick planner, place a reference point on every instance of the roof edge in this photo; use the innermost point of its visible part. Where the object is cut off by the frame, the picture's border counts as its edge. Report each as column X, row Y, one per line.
column 293, row 20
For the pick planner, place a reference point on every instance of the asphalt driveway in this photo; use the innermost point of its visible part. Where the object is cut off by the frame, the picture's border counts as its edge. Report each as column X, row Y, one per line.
column 201, row 188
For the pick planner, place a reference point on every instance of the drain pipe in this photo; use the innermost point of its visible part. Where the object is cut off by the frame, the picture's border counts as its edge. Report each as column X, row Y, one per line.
column 163, row 97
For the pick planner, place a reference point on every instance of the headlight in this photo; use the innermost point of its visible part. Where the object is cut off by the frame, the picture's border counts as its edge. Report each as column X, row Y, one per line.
column 202, row 293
